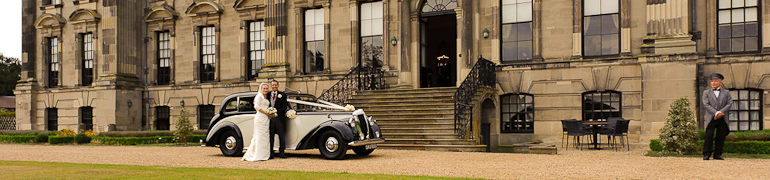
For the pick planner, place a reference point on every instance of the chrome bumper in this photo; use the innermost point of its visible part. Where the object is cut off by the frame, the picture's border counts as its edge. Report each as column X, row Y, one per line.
column 365, row 142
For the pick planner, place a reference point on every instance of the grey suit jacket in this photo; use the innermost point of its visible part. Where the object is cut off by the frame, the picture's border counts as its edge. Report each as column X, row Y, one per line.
column 712, row 104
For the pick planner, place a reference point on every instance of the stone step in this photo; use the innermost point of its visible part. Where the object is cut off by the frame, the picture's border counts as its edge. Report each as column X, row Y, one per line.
column 404, row 95
column 417, row 130
column 411, row 111
column 387, row 116
column 430, row 141
column 400, row 105
column 407, row 91
column 400, row 101
column 454, row 148
column 397, row 121
column 416, row 125
column 387, row 135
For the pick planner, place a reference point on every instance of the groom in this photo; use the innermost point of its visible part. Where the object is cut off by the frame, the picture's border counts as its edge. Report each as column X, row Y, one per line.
column 277, row 121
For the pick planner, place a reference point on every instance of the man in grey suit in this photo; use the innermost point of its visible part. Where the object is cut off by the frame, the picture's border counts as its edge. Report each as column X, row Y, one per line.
column 717, row 102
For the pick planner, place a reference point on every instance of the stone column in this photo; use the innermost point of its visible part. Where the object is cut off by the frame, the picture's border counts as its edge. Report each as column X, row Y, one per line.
column 354, row 33
column 668, row 28
column 275, row 39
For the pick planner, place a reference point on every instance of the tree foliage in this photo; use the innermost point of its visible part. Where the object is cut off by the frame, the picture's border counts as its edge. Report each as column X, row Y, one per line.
column 680, row 133
column 183, row 127
column 10, row 71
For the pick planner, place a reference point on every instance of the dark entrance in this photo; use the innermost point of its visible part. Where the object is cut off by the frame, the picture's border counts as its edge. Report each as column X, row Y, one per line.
column 438, row 47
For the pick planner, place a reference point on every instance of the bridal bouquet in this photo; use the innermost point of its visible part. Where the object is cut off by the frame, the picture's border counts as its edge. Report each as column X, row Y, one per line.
column 271, row 110
column 350, row 108
column 291, row 114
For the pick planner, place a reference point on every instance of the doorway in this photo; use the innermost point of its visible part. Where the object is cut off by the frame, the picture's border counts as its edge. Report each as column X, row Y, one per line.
column 438, row 49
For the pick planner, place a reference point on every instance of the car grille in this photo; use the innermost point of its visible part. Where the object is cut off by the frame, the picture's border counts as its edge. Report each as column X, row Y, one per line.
column 364, row 125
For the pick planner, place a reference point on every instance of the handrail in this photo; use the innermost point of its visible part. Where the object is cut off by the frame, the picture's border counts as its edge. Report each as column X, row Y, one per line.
column 482, row 74
column 359, row 78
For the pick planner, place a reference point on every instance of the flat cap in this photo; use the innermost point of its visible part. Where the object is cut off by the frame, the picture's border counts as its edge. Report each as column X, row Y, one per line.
column 717, row 76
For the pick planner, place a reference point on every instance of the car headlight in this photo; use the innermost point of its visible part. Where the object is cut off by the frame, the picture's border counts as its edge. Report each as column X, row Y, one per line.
column 377, row 133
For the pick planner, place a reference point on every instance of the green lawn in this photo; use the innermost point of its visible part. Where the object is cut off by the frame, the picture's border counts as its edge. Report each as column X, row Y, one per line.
column 51, row 170
column 725, row 155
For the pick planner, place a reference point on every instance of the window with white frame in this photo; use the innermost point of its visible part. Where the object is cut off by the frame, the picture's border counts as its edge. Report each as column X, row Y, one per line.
column 164, row 56
column 314, row 40
column 53, row 62
column 746, row 111
column 256, row 48
column 738, row 27
column 208, row 54
column 601, row 32
column 88, row 59
column 371, row 34
column 517, row 30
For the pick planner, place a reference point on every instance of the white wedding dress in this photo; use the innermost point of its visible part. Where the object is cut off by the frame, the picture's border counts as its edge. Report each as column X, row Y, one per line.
column 259, row 149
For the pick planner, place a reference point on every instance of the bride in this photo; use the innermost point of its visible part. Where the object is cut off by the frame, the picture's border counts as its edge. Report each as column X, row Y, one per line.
column 259, row 149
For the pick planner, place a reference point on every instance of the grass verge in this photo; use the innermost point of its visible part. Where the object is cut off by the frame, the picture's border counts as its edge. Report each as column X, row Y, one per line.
column 725, row 155
column 54, row 170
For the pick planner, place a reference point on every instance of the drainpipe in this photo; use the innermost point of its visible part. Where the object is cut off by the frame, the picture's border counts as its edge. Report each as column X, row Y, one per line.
column 696, row 35
column 145, row 91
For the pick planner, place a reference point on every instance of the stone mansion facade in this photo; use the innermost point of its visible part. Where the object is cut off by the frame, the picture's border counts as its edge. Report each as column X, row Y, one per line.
column 130, row 64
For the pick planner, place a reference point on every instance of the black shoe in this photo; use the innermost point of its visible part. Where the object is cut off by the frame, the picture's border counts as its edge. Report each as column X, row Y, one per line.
column 718, row 158
column 282, row 156
column 706, row 157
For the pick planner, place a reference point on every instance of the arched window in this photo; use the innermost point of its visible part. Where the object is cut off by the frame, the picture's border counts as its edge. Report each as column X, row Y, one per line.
column 439, row 5
column 598, row 106
column 517, row 113
column 746, row 111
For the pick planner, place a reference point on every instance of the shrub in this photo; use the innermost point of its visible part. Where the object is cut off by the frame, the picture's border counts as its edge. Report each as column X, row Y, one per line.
column 680, row 133
column 761, row 135
column 90, row 132
column 61, row 139
column 22, row 132
column 655, row 145
column 82, row 138
column 41, row 138
column 65, row 132
column 17, row 138
column 745, row 147
column 183, row 127
column 142, row 140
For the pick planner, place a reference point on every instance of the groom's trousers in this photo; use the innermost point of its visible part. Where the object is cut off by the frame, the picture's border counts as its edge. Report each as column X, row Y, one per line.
column 277, row 128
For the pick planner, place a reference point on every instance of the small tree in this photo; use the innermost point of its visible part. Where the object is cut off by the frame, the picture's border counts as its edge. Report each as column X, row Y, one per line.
column 183, row 127
column 680, row 132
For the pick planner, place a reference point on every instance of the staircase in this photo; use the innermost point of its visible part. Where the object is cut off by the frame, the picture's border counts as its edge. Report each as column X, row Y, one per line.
column 415, row 119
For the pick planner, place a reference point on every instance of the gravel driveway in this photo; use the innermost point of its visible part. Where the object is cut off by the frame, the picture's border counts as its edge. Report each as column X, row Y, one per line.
column 572, row 164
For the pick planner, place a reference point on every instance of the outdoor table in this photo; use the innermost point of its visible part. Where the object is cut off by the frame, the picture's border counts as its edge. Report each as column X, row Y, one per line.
column 595, row 128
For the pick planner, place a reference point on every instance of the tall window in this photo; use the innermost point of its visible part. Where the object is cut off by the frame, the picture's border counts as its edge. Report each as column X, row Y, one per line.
column 517, row 30
column 164, row 56
column 53, row 61
column 314, row 40
column 517, row 113
column 746, row 111
column 371, row 34
column 598, row 106
column 738, row 28
column 256, row 48
column 52, row 115
column 162, row 118
column 208, row 54
column 205, row 113
column 601, row 27
column 88, row 59
column 87, row 118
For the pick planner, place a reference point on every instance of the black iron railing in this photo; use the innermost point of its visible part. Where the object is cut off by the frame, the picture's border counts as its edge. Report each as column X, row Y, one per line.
column 7, row 123
column 482, row 75
column 360, row 78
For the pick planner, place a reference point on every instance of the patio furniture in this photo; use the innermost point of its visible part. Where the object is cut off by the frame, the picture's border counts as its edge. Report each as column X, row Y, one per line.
column 574, row 129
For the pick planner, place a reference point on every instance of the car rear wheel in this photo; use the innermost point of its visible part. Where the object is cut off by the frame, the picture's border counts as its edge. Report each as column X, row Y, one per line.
column 361, row 150
column 332, row 145
column 230, row 144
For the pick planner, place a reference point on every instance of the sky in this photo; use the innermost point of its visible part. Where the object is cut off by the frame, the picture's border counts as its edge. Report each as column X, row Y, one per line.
column 10, row 28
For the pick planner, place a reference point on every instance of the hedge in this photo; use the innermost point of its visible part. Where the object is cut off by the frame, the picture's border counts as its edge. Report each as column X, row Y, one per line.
column 143, row 133
column 82, row 139
column 24, row 132
column 142, row 140
column 743, row 147
column 761, row 135
column 61, row 139
column 41, row 138
column 17, row 138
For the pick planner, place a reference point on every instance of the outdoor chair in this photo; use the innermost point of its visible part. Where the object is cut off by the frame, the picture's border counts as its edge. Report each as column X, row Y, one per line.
column 621, row 129
column 564, row 129
column 574, row 129
column 609, row 129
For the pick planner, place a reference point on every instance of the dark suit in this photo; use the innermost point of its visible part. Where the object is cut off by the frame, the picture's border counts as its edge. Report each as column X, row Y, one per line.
column 714, row 104
column 277, row 123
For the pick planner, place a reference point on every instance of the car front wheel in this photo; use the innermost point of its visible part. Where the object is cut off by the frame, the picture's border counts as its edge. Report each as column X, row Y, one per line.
column 332, row 145
column 230, row 144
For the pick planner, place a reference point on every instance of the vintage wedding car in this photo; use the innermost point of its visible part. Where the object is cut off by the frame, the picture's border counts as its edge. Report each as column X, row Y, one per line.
column 331, row 128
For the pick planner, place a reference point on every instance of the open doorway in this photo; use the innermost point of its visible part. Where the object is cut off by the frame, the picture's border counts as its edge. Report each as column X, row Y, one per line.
column 438, row 48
